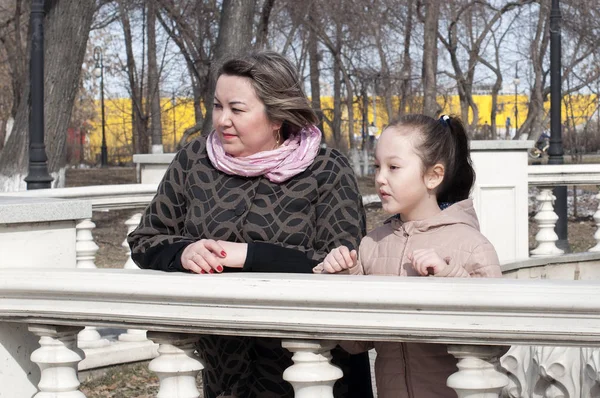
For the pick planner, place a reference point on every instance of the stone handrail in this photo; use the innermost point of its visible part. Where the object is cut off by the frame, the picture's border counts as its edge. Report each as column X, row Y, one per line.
column 307, row 311
column 459, row 311
column 564, row 174
column 102, row 197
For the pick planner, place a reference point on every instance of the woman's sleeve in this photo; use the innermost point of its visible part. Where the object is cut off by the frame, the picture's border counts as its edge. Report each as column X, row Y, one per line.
column 340, row 212
column 340, row 220
column 158, row 241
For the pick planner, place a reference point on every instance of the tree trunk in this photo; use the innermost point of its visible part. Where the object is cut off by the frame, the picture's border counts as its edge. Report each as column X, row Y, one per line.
column 66, row 31
column 263, row 26
column 153, row 82
column 533, row 124
column 315, row 86
column 430, row 57
column 406, row 62
column 235, row 37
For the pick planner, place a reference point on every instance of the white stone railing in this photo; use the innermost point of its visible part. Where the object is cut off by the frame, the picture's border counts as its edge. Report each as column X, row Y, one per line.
column 310, row 313
column 133, row 344
column 547, row 177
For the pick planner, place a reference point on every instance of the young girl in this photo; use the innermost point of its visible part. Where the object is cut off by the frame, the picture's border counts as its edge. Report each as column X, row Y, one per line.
column 423, row 177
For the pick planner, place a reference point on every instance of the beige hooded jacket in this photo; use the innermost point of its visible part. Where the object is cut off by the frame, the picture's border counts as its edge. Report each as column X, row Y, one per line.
column 414, row 370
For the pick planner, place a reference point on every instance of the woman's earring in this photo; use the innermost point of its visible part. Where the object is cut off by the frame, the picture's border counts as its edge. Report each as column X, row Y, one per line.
column 278, row 137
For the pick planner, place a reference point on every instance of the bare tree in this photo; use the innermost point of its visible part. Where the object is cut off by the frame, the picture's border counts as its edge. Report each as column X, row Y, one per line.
column 153, row 80
column 67, row 26
column 430, row 55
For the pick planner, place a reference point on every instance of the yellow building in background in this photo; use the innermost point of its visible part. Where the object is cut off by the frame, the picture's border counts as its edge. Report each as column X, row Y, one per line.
column 177, row 117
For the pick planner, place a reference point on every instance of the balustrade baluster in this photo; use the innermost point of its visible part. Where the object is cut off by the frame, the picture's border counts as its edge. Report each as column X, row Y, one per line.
column 312, row 374
column 597, row 233
column 176, row 366
column 546, row 218
column 131, row 224
column 57, row 359
column 517, row 364
column 85, row 247
column 478, row 375
column 559, row 370
column 590, row 359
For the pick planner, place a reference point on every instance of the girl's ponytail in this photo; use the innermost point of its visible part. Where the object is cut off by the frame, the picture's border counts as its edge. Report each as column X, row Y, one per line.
column 460, row 176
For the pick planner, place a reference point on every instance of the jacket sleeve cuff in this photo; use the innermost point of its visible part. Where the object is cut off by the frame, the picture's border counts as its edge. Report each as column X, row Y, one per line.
column 267, row 257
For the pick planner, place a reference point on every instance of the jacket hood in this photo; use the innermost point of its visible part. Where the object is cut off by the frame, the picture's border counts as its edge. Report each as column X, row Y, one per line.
column 461, row 212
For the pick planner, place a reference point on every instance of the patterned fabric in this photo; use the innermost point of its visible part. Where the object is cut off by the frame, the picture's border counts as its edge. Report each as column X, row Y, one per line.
column 278, row 165
column 313, row 212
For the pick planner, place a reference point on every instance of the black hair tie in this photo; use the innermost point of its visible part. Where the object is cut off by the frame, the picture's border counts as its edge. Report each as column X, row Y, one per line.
column 445, row 120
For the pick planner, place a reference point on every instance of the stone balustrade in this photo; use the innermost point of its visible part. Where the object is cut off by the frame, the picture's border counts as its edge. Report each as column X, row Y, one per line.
column 309, row 313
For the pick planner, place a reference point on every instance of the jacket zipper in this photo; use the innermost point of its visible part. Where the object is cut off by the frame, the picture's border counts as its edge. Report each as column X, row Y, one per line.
column 405, row 234
column 407, row 378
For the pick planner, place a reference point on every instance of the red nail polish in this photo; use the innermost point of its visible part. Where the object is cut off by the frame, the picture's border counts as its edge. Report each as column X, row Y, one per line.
column 203, row 272
column 211, row 271
column 223, row 253
column 220, row 269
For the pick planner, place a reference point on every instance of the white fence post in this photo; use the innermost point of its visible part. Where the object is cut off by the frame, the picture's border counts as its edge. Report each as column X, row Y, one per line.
column 57, row 358
column 477, row 376
column 546, row 219
column 85, row 247
column 312, row 374
column 176, row 366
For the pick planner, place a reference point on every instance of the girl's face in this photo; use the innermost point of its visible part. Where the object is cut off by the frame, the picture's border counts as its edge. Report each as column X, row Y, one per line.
column 240, row 119
column 399, row 178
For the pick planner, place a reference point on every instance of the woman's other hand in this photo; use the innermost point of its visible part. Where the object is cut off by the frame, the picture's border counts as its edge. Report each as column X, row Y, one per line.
column 339, row 259
column 235, row 253
column 427, row 262
column 205, row 256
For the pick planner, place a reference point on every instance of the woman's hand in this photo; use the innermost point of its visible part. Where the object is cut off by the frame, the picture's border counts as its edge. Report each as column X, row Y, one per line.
column 339, row 259
column 235, row 253
column 427, row 262
column 205, row 256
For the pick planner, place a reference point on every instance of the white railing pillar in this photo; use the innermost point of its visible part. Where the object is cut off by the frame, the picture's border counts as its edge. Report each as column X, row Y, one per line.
column 591, row 372
column 131, row 224
column 517, row 364
column 312, row 374
column 57, row 358
column 546, row 218
column 176, row 366
column 365, row 163
column 478, row 375
column 559, row 370
column 85, row 247
column 597, row 233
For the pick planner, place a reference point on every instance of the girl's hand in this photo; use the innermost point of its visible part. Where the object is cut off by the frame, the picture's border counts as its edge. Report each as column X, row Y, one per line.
column 427, row 262
column 339, row 259
column 203, row 257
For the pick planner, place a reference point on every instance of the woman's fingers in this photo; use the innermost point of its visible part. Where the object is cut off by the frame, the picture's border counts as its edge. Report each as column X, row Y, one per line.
column 199, row 257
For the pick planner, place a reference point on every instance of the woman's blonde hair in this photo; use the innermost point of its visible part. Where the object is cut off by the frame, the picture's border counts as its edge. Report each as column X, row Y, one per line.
column 277, row 84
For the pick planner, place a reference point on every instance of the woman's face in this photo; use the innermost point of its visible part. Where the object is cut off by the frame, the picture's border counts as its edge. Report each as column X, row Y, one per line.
column 240, row 118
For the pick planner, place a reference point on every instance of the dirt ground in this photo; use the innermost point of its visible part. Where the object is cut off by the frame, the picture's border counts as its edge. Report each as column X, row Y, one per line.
column 136, row 381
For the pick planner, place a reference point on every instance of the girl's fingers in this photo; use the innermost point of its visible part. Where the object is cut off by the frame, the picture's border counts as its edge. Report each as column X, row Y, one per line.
column 338, row 256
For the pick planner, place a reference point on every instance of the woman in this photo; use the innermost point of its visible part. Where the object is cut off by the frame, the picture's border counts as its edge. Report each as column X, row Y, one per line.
column 257, row 195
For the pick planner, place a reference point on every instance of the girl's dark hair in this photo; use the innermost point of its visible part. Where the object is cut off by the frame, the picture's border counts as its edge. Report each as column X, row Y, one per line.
column 277, row 84
column 443, row 141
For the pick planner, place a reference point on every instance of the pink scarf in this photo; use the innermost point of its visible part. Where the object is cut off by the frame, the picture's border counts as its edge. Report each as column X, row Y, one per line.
column 278, row 165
